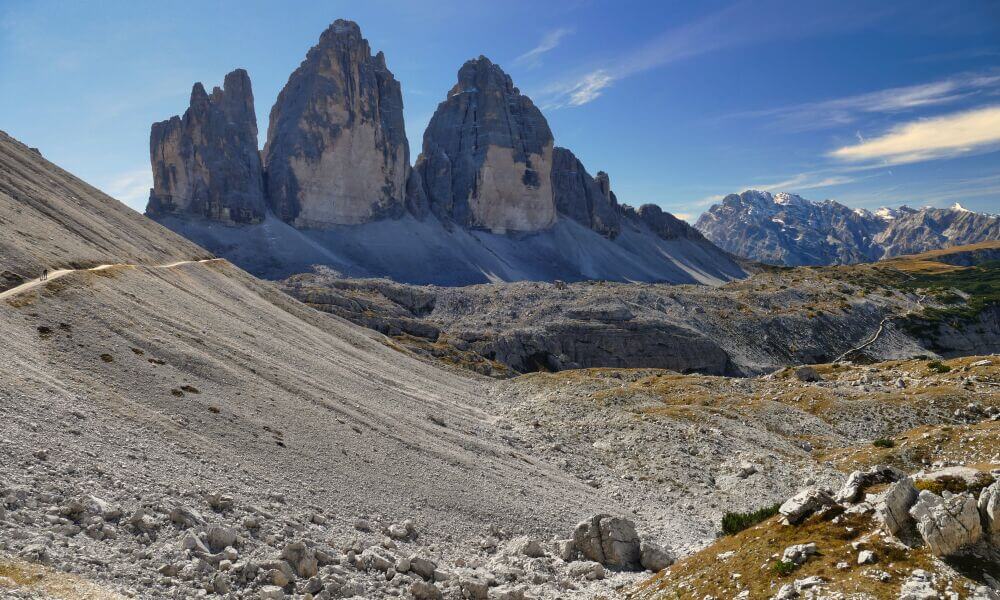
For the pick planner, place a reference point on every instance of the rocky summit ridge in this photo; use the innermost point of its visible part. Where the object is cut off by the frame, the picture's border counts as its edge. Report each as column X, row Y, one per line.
column 787, row 229
column 490, row 197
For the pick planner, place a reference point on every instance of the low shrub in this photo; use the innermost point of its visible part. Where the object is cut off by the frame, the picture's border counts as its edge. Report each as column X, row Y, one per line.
column 938, row 366
column 883, row 443
column 735, row 522
column 783, row 567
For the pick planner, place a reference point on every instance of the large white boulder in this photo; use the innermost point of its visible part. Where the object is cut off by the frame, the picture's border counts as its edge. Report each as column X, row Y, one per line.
column 797, row 508
column 947, row 524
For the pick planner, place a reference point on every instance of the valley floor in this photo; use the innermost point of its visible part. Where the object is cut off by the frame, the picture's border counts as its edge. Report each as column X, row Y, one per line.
column 173, row 430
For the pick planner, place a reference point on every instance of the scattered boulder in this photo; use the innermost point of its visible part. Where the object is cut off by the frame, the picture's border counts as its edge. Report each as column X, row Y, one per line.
column 797, row 508
column 611, row 541
column 186, row 517
column 423, row 590
column 894, row 510
column 866, row 557
column 530, row 548
column 587, row 569
column 947, row 524
column 745, row 470
column 807, row 374
column 799, row 553
column 219, row 538
column 272, row 592
column 423, row 567
column 989, row 512
column 858, row 481
column 654, row 557
column 301, row 558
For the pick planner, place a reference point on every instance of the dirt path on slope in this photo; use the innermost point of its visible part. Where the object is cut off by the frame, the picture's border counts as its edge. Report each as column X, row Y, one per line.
column 30, row 285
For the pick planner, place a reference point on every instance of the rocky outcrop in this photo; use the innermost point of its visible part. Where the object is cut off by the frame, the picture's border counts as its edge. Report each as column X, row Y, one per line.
column 583, row 198
column 206, row 164
column 947, row 524
column 487, row 155
column 336, row 152
column 664, row 224
column 789, row 230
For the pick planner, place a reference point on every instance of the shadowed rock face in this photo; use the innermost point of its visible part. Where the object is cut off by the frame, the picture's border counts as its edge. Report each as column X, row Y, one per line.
column 664, row 224
column 584, row 199
column 487, row 155
column 336, row 152
column 206, row 164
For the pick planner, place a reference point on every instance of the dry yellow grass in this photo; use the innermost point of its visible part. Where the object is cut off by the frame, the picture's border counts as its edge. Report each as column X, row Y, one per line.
column 19, row 575
column 750, row 566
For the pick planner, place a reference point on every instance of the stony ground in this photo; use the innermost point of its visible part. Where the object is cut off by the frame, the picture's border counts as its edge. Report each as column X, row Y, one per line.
column 776, row 318
column 170, row 447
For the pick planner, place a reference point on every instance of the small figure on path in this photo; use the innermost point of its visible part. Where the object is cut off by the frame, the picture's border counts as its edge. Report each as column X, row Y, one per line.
column 45, row 274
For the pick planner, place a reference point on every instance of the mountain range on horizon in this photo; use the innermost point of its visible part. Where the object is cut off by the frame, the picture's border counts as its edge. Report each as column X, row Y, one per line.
column 786, row 229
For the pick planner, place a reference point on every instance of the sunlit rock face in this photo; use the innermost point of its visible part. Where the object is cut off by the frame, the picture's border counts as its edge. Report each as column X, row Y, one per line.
column 206, row 164
column 336, row 151
column 487, row 155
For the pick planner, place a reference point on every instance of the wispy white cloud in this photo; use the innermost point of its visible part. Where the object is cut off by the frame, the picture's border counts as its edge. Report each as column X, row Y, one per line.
column 131, row 187
column 948, row 136
column 550, row 41
column 741, row 23
column 807, row 181
column 589, row 87
column 850, row 109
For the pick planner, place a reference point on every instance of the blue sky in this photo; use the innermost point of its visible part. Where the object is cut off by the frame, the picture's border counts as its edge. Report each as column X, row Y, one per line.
column 867, row 103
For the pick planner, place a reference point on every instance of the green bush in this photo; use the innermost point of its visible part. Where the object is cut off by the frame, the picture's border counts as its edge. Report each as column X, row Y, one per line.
column 938, row 366
column 783, row 567
column 883, row 443
column 735, row 522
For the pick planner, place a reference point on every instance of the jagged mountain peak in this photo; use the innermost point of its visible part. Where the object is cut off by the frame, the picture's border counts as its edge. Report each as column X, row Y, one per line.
column 788, row 229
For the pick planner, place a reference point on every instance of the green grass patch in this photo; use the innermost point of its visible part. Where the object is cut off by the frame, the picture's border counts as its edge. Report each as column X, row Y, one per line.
column 783, row 567
column 883, row 443
column 735, row 522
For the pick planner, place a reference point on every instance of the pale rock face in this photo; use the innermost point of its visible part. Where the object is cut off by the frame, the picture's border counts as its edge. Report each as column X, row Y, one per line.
column 989, row 511
column 487, row 155
column 336, row 152
column 947, row 524
column 894, row 510
column 610, row 541
column 206, row 164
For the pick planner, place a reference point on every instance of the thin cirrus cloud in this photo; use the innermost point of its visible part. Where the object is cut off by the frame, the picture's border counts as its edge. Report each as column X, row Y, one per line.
column 850, row 109
column 550, row 41
column 741, row 23
column 957, row 134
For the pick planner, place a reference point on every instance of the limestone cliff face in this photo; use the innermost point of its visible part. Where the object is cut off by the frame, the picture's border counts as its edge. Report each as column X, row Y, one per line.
column 580, row 197
column 336, row 151
column 206, row 164
column 487, row 155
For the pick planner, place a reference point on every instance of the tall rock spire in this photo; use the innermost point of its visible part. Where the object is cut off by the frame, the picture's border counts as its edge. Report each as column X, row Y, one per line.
column 336, row 151
column 206, row 164
column 487, row 155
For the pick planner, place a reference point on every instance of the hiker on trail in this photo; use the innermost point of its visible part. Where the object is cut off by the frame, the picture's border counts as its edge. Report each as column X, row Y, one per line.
column 45, row 274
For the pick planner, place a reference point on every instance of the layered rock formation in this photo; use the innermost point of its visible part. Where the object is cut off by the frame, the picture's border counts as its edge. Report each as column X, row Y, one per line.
column 336, row 151
column 487, row 155
column 206, row 164
column 790, row 230
column 584, row 199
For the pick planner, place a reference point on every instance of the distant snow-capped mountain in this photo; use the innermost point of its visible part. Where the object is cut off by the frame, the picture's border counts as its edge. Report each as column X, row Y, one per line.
column 787, row 229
